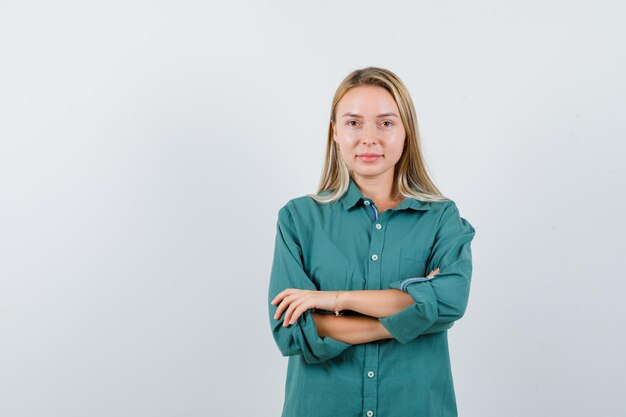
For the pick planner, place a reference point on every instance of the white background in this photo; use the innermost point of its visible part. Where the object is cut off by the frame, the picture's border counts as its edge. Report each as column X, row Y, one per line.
column 145, row 148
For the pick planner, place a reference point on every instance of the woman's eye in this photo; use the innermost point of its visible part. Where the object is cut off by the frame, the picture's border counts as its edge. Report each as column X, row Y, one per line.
column 350, row 122
column 389, row 123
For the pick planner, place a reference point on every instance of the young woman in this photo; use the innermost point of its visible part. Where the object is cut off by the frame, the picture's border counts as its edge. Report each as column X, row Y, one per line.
column 350, row 303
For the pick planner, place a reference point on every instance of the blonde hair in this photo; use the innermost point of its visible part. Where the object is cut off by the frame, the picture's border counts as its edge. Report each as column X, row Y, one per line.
column 411, row 178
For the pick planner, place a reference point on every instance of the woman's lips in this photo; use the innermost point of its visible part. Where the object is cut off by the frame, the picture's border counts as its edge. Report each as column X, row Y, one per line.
column 370, row 158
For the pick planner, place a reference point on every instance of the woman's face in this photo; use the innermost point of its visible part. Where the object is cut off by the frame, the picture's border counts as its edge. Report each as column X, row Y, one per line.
column 369, row 131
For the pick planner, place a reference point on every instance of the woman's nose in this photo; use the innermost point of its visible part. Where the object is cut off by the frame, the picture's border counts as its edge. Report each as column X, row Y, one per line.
column 369, row 134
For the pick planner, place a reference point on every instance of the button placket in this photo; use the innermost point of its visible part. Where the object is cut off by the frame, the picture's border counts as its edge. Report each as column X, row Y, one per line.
column 373, row 282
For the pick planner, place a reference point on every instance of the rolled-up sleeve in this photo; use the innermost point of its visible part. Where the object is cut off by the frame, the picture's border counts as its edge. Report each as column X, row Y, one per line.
column 442, row 299
column 301, row 337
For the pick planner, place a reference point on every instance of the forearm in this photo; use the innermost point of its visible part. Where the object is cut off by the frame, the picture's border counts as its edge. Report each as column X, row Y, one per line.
column 374, row 303
column 350, row 329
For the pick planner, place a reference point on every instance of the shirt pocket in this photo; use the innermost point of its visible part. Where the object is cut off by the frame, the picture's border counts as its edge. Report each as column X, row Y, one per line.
column 412, row 262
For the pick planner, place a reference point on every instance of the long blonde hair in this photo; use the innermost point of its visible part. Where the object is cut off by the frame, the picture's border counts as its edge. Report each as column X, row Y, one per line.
column 411, row 178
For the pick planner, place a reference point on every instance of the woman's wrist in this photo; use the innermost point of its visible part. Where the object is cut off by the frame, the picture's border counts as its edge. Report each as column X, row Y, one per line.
column 343, row 300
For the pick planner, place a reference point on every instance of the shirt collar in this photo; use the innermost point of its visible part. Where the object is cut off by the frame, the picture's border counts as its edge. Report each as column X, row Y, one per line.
column 354, row 196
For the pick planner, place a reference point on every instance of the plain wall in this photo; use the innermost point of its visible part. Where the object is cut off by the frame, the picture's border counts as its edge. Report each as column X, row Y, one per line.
column 146, row 147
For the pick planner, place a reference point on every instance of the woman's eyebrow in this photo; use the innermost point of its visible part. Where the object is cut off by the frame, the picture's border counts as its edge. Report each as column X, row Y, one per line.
column 380, row 115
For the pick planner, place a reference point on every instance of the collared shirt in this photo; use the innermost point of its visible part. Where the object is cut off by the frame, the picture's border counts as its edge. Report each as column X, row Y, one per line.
column 349, row 245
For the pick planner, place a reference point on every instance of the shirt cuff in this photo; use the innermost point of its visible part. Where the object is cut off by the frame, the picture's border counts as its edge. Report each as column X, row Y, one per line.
column 407, row 324
column 317, row 349
column 402, row 284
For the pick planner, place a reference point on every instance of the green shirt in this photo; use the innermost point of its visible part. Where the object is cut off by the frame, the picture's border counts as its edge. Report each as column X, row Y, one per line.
column 348, row 245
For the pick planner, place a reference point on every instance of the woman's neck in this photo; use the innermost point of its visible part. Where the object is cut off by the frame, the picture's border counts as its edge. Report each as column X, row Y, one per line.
column 379, row 189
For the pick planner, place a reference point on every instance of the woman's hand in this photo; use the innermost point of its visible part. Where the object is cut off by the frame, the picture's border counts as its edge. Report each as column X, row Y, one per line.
column 297, row 301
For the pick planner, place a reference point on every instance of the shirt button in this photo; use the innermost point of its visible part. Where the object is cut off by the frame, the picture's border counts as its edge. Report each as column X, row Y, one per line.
column 366, row 202
column 374, row 257
column 370, row 413
column 370, row 374
column 378, row 226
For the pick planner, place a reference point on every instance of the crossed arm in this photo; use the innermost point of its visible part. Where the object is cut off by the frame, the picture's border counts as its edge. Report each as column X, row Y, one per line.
column 350, row 329
column 373, row 304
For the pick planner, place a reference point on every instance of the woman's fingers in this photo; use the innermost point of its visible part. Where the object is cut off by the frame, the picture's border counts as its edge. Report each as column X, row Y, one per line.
column 289, row 314
column 293, row 302
column 297, row 313
column 282, row 295
column 433, row 273
column 283, row 305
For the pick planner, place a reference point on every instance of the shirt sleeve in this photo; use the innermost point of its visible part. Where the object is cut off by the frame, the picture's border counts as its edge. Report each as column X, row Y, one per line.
column 301, row 337
column 442, row 299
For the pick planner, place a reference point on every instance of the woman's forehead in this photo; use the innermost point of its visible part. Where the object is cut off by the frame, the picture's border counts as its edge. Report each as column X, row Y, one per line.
column 367, row 101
